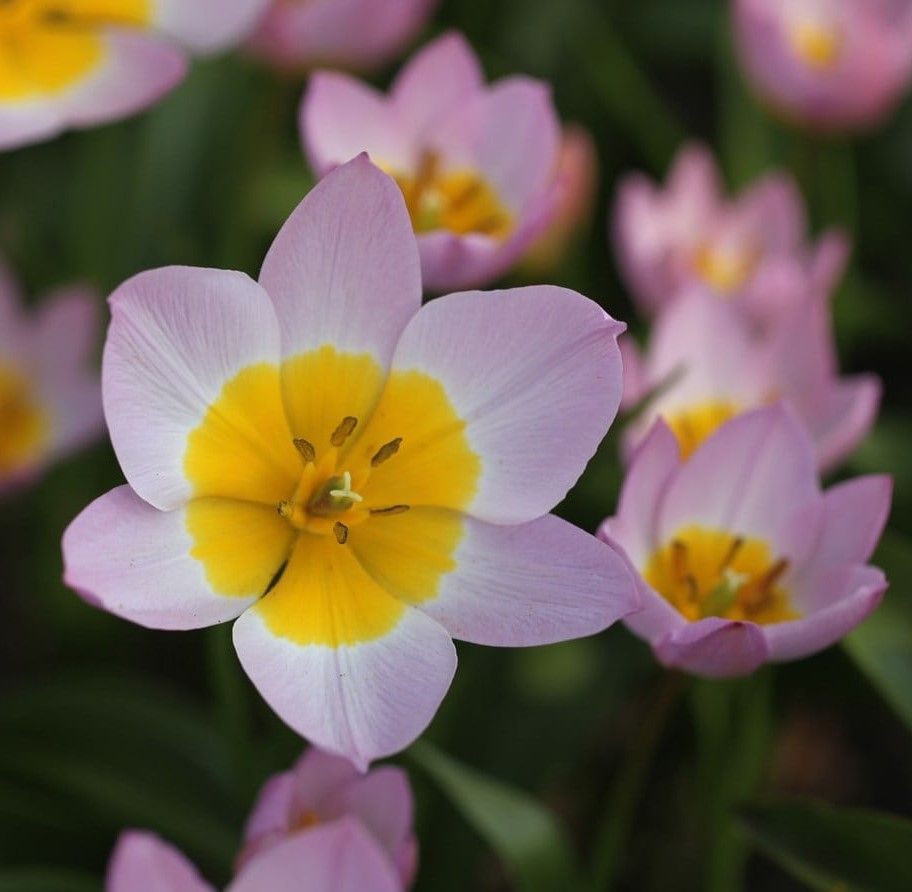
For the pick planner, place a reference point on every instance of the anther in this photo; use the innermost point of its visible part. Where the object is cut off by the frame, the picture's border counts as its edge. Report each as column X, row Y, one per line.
column 345, row 429
column 341, row 532
column 306, row 448
column 678, row 559
column 386, row 451
column 736, row 546
column 285, row 509
column 391, row 510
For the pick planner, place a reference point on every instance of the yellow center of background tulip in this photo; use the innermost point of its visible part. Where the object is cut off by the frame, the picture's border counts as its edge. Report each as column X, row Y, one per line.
column 346, row 492
column 693, row 424
column 24, row 426
column 48, row 45
column 458, row 201
column 724, row 267
column 817, row 45
column 704, row 572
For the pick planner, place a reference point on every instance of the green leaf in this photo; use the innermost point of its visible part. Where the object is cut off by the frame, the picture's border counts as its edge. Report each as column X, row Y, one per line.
column 525, row 835
column 849, row 850
column 39, row 880
column 882, row 645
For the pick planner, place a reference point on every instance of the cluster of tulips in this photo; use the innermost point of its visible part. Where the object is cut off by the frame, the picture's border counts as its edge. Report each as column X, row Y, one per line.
column 356, row 478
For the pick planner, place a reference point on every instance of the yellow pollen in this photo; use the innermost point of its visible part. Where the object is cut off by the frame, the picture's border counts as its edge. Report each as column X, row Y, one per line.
column 704, row 572
column 693, row 424
column 817, row 45
column 48, row 45
column 24, row 426
column 725, row 269
column 459, row 201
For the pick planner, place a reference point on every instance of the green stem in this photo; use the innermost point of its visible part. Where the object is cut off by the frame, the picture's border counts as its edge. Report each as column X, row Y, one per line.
column 614, row 829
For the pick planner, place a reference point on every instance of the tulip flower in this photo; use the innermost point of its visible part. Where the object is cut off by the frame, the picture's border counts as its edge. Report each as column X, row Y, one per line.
column 78, row 63
column 830, row 65
column 351, row 34
column 321, row 789
column 477, row 165
column 751, row 249
column 336, row 857
column 704, row 365
column 356, row 477
column 50, row 397
column 577, row 171
column 743, row 558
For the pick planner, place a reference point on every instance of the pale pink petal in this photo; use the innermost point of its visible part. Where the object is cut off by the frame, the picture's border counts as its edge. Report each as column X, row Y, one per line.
column 142, row 862
column 272, row 816
column 749, row 477
column 535, row 583
column 340, row 117
column 337, row 857
column 177, row 336
column 636, row 382
column 363, row 701
column 773, row 209
column 843, row 597
column 344, row 270
column 536, row 375
column 845, row 418
column 829, row 259
column 715, row 648
column 208, row 25
column 437, row 78
column 135, row 561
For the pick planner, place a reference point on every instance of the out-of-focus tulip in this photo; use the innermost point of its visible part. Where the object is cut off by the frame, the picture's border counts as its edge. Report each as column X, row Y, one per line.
column 321, row 789
column 477, row 164
column 50, row 392
column 319, row 457
column 743, row 558
column 752, row 249
column 577, row 170
column 77, row 63
column 354, row 34
column 704, row 365
column 826, row 64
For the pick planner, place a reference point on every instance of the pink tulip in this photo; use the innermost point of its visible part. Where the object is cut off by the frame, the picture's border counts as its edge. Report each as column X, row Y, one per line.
column 337, row 857
column 50, row 395
column 352, row 34
column 826, row 64
column 704, row 365
column 751, row 249
column 477, row 164
column 743, row 559
column 355, row 478
column 321, row 789
column 80, row 63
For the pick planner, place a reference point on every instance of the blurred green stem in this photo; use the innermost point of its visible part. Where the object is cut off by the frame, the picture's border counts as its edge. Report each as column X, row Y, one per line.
column 614, row 830
column 612, row 71
column 732, row 722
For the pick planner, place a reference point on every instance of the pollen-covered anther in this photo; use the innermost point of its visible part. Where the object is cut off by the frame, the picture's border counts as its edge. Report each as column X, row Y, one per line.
column 345, row 429
column 386, row 452
column 340, row 531
column 306, row 448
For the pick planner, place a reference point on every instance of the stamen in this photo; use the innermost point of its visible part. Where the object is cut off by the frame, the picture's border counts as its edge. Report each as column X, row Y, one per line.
column 306, row 448
column 693, row 589
column 345, row 492
column 341, row 532
column 392, row 509
column 345, row 429
column 385, row 452
column 285, row 509
column 732, row 553
column 678, row 559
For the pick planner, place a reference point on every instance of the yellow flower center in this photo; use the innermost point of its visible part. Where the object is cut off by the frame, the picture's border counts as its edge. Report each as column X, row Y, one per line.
column 704, row 572
column 345, row 485
column 48, row 45
column 817, row 45
column 459, row 201
column 24, row 425
column 724, row 267
column 693, row 424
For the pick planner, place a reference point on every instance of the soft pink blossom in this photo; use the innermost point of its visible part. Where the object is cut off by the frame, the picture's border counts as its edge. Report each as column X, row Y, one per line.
column 246, row 416
column 50, row 393
column 826, row 64
column 743, row 559
column 321, row 789
column 705, row 364
column 752, row 249
column 352, row 34
column 477, row 164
